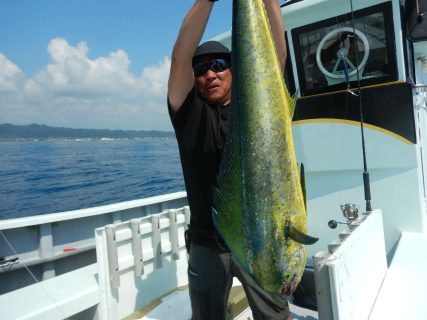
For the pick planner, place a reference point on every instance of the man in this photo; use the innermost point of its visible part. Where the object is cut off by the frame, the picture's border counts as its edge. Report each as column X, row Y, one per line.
column 199, row 101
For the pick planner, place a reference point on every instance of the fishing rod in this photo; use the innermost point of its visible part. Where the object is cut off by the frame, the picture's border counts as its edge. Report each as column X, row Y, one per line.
column 366, row 181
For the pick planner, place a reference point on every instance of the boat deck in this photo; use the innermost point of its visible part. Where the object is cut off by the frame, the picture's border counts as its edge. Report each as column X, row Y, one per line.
column 91, row 289
column 176, row 305
column 402, row 294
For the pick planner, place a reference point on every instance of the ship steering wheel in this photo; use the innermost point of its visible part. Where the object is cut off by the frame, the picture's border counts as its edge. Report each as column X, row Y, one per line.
column 342, row 54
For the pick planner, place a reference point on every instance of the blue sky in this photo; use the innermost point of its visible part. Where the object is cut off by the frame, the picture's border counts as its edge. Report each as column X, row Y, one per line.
column 91, row 63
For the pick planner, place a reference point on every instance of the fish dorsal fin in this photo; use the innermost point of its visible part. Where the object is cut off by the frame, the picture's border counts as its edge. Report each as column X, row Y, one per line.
column 302, row 182
column 293, row 233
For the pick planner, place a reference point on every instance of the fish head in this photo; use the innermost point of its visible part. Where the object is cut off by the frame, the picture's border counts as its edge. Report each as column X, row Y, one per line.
column 291, row 285
column 278, row 266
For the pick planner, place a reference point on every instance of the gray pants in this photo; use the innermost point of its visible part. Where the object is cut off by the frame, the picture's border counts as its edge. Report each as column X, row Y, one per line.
column 210, row 277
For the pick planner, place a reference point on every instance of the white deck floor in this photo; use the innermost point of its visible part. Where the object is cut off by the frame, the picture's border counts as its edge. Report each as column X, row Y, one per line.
column 402, row 294
column 176, row 306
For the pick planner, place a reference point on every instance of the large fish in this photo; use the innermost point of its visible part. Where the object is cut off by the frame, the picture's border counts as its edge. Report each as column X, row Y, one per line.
column 259, row 206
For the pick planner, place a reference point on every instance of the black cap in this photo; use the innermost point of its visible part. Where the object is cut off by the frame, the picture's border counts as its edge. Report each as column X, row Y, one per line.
column 214, row 48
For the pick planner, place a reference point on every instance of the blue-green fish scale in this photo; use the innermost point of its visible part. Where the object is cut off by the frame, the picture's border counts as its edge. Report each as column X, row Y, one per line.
column 258, row 183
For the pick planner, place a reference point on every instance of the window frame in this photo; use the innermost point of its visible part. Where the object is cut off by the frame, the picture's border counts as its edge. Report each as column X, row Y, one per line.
column 387, row 10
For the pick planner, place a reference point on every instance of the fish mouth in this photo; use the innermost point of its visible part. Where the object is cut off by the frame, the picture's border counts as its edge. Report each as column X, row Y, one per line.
column 289, row 289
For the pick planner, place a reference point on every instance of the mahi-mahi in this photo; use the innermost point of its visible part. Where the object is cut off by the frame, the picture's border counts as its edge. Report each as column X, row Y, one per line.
column 259, row 206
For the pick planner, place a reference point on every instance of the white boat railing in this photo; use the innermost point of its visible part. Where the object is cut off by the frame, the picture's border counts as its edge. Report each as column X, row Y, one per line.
column 42, row 240
column 349, row 276
column 353, row 280
column 139, row 261
column 118, row 208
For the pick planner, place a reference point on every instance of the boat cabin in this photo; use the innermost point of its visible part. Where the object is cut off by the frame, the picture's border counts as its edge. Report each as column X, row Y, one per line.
column 351, row 62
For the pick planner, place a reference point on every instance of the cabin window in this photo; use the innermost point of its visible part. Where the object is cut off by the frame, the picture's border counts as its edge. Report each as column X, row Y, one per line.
column 335, row 53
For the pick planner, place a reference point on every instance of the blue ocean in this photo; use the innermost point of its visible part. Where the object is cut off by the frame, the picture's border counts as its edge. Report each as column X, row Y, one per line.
column 49, row 176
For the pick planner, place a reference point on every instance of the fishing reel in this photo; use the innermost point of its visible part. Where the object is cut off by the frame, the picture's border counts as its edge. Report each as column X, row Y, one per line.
column 349, row 211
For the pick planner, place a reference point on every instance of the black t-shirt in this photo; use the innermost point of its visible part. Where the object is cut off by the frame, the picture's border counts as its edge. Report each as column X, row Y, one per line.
column 200, row 129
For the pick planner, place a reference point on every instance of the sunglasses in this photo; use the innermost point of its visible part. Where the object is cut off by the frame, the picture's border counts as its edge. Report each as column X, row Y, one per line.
column 216, row 65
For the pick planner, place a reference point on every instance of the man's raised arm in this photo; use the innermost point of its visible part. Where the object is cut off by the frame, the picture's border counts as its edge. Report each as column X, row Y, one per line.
column 181, row 77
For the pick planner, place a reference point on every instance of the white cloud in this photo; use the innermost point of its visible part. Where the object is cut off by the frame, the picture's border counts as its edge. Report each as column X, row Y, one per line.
column 76, row 91
column 9, row 74
column 155, row 78
column 72, row 72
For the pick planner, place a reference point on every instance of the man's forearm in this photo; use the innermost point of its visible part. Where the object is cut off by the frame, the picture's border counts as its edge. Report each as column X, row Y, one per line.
column 192, row 30
column 181, row 77
column 274, row 14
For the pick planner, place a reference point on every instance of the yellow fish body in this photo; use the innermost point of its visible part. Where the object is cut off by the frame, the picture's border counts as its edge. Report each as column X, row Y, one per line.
column 259, row 207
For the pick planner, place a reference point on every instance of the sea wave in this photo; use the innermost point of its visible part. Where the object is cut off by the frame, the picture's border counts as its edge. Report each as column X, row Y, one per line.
column 46, row 176
column 85, row 139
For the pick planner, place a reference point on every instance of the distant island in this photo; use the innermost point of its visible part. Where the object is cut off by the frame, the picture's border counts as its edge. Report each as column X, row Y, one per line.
column 40, row 131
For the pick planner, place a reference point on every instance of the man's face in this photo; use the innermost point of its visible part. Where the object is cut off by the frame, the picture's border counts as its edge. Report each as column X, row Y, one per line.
column 213, row 86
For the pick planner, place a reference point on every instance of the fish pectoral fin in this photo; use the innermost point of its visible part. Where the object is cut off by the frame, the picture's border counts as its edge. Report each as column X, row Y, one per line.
column 298, row 236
